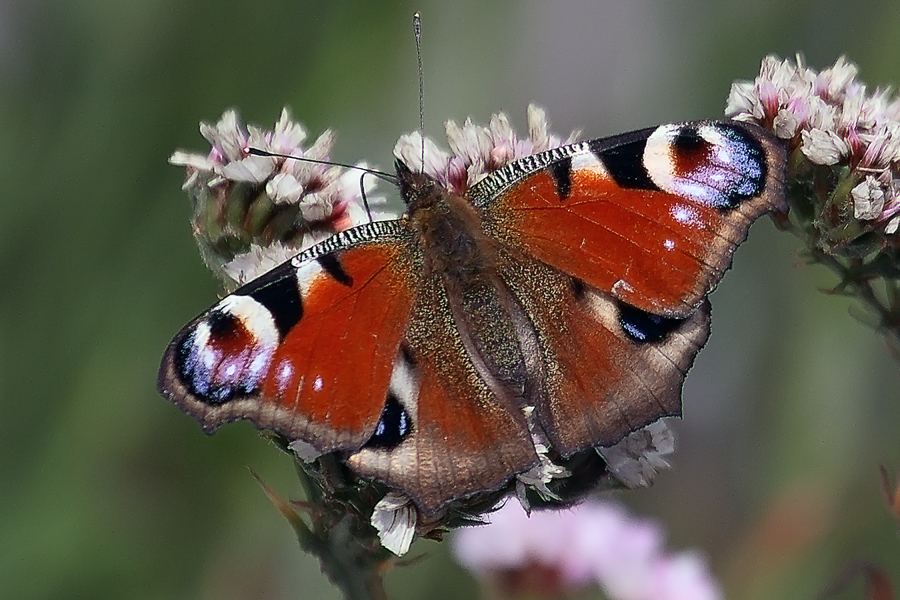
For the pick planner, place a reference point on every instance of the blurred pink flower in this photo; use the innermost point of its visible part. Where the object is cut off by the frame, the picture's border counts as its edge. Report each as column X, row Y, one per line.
column 593, row 543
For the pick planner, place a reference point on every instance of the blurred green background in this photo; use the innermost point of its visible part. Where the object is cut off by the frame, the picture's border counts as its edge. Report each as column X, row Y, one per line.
column 107, row 491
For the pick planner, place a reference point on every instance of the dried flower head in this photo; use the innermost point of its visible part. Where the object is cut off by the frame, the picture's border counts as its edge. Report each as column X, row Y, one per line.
column 477, row 151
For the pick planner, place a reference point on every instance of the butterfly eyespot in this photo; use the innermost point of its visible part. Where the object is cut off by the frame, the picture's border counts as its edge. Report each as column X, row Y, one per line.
column 393, row 427
column 643, row 327
column 227, row 354
column 716, row 164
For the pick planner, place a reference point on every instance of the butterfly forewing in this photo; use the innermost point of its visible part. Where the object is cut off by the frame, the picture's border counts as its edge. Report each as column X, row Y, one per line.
column 320, row 331
column 651, row 217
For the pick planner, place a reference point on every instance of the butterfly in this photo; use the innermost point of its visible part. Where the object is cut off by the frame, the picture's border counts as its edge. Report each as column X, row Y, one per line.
column 561, row 300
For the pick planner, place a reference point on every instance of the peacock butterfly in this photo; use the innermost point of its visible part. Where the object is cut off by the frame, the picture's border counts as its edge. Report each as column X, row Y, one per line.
column 559, row 301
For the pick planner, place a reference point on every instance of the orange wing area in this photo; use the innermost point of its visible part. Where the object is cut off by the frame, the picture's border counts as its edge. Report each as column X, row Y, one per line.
column 329, row 377
column 609, row 386
column 657, row 251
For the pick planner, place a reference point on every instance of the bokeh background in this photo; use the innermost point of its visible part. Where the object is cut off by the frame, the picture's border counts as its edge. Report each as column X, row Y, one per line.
column 107, row 491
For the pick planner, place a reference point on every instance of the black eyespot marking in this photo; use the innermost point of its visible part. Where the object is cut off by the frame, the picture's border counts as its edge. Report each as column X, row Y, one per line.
column 689, row 140
column 643, row 327
column 333, row 267
column 221, row 324
column 281, row 297
column 625, row 163
column 393, row 427
column 561, row 171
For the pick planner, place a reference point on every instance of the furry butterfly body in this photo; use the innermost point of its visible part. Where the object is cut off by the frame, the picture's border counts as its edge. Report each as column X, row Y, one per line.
column 553, row 307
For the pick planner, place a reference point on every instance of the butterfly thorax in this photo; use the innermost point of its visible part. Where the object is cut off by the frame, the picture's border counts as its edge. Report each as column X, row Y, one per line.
column 448, row 228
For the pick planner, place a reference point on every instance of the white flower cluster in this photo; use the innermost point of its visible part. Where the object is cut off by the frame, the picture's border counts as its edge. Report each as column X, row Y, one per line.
column 832, row 119
column 640, row 456
column 394, row 518
column 329, row 197
column 287, row 181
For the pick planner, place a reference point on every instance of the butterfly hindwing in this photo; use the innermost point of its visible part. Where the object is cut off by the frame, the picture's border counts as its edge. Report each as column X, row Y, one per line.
column 608, row 368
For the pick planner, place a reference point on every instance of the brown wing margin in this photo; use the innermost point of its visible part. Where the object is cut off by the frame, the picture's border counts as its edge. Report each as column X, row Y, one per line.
column 355, row 293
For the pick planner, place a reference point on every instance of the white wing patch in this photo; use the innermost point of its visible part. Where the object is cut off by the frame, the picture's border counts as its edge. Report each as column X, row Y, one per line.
column 589, row 162
column 307, row 272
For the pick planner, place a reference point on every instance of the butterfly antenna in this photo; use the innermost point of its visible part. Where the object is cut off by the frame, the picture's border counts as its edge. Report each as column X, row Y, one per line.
column 388, row 177
column 417, row 30
column 362, row 189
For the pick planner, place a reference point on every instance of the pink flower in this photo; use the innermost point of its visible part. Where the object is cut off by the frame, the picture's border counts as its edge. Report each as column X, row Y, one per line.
column 593, row 543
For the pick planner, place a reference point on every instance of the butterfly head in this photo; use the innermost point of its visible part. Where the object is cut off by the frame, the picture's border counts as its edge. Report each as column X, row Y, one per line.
column 417, row 189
